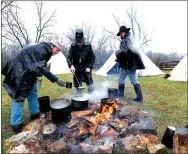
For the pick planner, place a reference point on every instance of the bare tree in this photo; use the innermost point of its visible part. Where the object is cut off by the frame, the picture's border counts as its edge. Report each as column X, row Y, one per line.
column 44, row 21
column 89, row 33
column 14, row 28
column 136, row 24
column 5, row 6
column 102, row 42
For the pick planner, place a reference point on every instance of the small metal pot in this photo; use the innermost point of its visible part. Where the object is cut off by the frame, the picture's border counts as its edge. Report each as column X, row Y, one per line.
column 68, row 84
column 79, row 104
column 44, row 104
column 112, row 92
column 61, row 110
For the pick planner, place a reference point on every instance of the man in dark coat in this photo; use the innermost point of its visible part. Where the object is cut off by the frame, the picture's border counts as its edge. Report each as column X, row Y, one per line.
column 20, row 78
column 129, row 61
column 80, row 60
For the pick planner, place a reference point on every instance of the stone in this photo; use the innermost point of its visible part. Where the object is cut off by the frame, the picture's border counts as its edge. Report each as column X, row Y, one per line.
column 105, row 149
column 57, row 145
column 134, row 129
column 102, row 129
column 19, row 149
column 33, row 145
column 20, row 138
column 147, row 125
column 152, row 138
column 125, row 111
column 156, row 148
column 49, row 129
column 134, row 144
column 110, row 132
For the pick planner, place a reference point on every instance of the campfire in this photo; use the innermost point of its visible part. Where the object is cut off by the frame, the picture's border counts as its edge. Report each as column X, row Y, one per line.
column 106, row 127
column 105, row 113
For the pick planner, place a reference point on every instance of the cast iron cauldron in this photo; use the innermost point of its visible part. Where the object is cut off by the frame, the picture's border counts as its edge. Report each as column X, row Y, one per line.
column 61, row 110
column 44, row 104
column 79, row 103
column 112, row 92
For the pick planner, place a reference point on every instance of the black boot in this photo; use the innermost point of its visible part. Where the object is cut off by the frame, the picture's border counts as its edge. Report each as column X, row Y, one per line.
column 17, row 128
column 121, row 89
column 35, row 116
column 139, row 96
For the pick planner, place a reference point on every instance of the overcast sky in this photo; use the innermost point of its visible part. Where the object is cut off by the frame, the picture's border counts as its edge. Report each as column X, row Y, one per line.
column 167, row 20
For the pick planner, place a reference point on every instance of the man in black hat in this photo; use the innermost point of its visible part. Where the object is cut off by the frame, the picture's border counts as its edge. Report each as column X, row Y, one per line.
column 80, row 60
column 129, row 61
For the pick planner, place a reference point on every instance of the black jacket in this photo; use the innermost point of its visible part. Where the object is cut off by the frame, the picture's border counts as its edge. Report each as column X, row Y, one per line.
column 128, row 56
column 81, row 57
column 21, row 71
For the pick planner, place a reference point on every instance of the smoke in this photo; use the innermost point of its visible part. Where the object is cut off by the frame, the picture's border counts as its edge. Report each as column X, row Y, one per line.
column 101, row 91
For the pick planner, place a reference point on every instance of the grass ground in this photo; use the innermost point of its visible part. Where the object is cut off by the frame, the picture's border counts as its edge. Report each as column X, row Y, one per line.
column 165, row 100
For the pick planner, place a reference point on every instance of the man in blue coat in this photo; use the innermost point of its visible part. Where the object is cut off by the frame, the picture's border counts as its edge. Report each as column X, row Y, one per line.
column 129, row 61
column 20, row 78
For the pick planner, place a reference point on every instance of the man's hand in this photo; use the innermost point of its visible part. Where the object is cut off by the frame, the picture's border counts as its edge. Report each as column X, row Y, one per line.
column 72, row 69
column 87, row 70
column 61, row 83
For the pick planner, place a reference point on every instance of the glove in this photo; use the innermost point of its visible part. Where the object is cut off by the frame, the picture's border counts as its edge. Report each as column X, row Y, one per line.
column 61, row 83
column 87, row 70
column 72, row 69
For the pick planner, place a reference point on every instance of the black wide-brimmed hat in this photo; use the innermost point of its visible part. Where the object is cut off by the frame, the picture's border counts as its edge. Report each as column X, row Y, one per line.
column 123, row 29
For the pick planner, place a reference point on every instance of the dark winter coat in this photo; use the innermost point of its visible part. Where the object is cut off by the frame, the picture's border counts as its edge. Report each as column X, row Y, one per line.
column 81, row 58
column 128, row 56
column 21, row 71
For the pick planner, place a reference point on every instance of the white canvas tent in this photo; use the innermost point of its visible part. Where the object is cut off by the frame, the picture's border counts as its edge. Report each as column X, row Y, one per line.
column 179, row 73
column 150, row 68
column 58, row 64
column 107, row 65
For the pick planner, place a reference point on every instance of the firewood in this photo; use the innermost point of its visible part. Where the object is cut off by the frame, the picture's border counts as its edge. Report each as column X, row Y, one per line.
column 82, row 113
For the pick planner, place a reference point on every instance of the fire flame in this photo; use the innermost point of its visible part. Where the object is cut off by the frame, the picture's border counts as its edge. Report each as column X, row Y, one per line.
column 106, row 112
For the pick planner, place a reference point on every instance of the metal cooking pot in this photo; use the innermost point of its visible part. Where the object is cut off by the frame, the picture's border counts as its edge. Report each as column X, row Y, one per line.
column 68, row 84
column 112, row 92
column 61, row 110
column 44, row 104
column 78, row 103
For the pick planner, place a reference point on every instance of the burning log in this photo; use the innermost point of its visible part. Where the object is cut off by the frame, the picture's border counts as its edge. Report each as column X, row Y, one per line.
column 72, row 123
column 82, row 113
column 90, row 125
